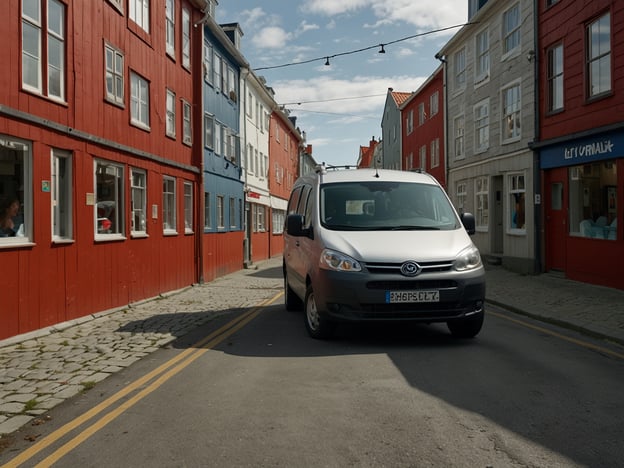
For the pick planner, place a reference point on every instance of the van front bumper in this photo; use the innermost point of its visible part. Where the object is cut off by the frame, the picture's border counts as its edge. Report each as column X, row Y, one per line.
column 360, row 296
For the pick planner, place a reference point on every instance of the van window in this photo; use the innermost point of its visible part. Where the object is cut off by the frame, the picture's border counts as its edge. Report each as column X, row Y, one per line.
column 294, row 201
column 384, row 206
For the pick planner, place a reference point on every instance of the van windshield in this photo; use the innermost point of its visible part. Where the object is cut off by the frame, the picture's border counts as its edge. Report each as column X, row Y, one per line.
column 383, row 205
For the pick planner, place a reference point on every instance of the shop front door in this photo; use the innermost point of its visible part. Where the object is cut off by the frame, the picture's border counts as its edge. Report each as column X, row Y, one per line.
column 556, row 227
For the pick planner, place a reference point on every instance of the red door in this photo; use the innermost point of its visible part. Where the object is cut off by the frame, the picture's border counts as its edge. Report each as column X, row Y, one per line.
column 556, row 228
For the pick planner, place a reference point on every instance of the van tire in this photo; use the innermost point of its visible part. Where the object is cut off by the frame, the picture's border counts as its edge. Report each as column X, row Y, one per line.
column 466, row 328
column 291, row 300
column 318, row 326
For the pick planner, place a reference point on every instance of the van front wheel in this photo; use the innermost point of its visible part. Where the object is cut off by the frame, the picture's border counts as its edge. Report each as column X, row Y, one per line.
column 318, row 327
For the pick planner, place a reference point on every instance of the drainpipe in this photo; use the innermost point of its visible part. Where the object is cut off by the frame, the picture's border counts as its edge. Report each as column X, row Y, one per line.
column 538, row 210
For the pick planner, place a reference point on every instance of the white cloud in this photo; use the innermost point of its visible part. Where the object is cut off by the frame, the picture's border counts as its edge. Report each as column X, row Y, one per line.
column 272, row 37
column 304, row 26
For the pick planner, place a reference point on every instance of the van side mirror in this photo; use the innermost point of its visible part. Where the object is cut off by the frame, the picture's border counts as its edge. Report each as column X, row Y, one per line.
column 294, row 225
column 468, row 220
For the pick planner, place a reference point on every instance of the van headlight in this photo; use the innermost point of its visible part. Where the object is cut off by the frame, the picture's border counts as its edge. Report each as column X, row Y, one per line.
column 468, row 259
column 332, row 260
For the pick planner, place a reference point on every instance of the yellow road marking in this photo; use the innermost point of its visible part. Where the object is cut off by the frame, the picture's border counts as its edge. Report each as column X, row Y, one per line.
column 163, row 374
column 581, row 343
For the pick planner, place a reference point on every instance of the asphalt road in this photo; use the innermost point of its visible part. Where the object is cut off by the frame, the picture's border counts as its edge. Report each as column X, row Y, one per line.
column 253, row 390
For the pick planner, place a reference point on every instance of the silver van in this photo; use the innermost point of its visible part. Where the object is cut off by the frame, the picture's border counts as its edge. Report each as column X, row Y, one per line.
column 376, row 244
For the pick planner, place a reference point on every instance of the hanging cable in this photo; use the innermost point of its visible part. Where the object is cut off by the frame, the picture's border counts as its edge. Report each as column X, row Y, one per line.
column 340, row 54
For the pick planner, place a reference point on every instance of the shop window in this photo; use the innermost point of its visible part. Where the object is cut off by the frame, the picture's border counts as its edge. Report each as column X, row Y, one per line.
column 593, row 200
column 15, row 190
column 169, row 205
column 517, row 200
column 109, row 204
column 138, row 179
column 61, row 195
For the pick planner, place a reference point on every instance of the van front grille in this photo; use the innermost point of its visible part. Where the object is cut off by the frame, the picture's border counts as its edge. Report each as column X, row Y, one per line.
column 395, row 268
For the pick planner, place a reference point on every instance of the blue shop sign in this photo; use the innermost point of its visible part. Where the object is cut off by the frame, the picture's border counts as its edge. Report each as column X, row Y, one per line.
column 583, row 150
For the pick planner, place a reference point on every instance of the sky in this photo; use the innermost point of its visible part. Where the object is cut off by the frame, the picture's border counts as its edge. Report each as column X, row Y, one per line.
column 340, row 106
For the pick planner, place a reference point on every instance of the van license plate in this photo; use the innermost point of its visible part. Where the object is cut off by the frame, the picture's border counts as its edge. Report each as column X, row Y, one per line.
column 393, row 297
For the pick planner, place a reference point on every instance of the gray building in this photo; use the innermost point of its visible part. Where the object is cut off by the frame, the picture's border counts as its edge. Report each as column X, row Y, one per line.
column 391, row 129
column 490, row 94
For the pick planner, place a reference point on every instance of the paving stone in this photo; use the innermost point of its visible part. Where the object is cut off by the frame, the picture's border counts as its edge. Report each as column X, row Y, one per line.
column 69, row 391
column 14, row 423
column 11, row 408
column 21, row 397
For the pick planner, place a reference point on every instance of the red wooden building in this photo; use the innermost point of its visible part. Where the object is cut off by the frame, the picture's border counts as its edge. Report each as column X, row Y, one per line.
column 285, row 143
column 423, row 128
column 581, row 138
column 96, row 143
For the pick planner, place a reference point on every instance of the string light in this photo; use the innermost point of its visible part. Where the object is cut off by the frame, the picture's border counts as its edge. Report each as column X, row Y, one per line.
column 382, row 51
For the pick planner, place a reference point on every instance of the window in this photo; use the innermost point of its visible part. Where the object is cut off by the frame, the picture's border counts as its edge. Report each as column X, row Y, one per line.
column 435, row 153
column 138, row 201
column 482, row 67
column 233, row 218
column 517, row 202
column 187, row 136
column 43, row 47
column 139, row 101
column 61, row 195
column 188, row 207
column 114, row 75
column 259, row 213
column 555, row 78
column 511, row 126
column 109, row 200
column 482, row 197
column 422, row 115
column 279, row 218
column 169, row 205
column 482, row 126
column 593, row 200
column 208, row 64
column 218, row 148
column 423, row 158
column 461, row 195
column 170, row 126
column 138, row 11
column 434, row 103
column 208, row 131
column 599, row 56
column 220, row 212
column 170, row 27
column 458, row 126
column 207, row 211
column 117, row 4
column 15, row 191
column 511, row 29
column 186, row 38
column 216, row 62
column 459, row 69
column 232, row 94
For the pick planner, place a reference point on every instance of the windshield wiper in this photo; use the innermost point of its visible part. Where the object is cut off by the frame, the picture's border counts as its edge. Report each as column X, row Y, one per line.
column 409, row 227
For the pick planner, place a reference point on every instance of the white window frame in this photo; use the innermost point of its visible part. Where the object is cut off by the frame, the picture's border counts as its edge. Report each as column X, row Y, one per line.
column 435, row 153
column 482, row 62
column 138, row 202
column 459, row 137
column 188, row 207
column 459, row 70
column 220, row 212
column 139, row 101
column 19, row 151
column 279, row 217
column 139, row 13
column 482, row 126
column 511, row 108
column 216, row 67
column 187, row 132
column 207, row 211
column 233, row 218
column 422, row 114
column 422, row 160
column 516, row 188
column 186, row 38
column 599, row 57
column 482, row 203
column 554, row 78
column 43, row 48
column 461, row 195
column 112, row 209
column 218, row 140
column 61, row 195
column 169, row 206
column 209, row 128
column 434, row 103
column 170, row 112
column 114, row 75
column 511, row 38
column 208, row 63
column 170, row 27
